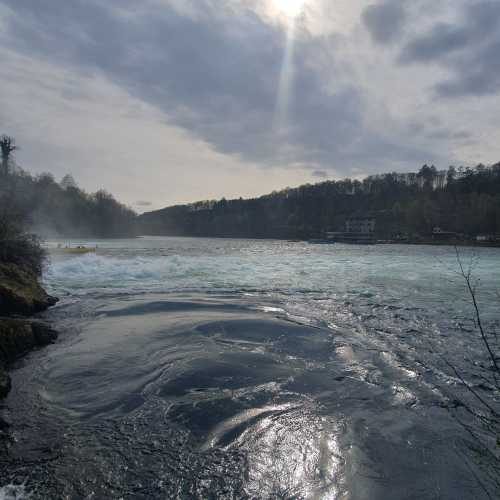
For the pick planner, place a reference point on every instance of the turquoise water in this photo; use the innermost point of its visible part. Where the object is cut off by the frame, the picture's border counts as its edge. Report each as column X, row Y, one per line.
column 423, row 275
column 212, row 368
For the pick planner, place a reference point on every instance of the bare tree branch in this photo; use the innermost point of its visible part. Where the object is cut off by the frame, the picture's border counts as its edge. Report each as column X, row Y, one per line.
column 472, row 292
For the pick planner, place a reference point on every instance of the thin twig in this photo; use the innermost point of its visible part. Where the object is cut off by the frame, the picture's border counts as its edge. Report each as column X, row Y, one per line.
column 471, row 389
column 467, row 277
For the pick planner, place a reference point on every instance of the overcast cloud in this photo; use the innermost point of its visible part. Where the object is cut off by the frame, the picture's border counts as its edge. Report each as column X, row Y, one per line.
column 167, row 101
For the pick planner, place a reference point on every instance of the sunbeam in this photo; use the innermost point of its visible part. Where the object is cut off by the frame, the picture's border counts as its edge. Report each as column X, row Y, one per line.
column 291, row 8
column 285, row 83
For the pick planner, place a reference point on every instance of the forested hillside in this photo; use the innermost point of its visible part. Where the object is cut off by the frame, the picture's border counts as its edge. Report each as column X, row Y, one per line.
column 463, row 200
column 53, row 209
column 409, row 205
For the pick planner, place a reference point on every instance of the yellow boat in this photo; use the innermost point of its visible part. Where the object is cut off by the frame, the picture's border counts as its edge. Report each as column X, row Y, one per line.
column 74, row 250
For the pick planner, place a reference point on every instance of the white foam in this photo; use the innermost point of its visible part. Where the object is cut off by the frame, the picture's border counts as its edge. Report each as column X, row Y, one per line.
column 173, row 272
column 269, row 309
column 94, row 271
column 14, row 492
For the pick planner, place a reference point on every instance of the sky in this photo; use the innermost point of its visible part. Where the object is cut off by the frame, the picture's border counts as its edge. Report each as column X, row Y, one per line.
column 172, row 101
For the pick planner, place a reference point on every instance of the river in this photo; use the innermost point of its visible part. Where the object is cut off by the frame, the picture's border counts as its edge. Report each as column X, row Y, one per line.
column 218, row 368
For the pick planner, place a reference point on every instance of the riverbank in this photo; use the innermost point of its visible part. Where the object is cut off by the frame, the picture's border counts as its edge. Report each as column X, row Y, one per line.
column 21, row 296
column 452, row 243
column 320, row 239
column 17, row 337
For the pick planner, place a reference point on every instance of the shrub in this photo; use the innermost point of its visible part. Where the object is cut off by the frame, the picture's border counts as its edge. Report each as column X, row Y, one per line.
column 20, row 248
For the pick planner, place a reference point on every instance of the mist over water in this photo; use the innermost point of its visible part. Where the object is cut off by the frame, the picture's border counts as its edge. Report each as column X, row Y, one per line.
column 199, row 368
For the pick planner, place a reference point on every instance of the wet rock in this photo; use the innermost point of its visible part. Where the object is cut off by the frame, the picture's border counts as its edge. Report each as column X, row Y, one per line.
column 17, row 337
column 44, row 334
column 4, row 425
column 5, row 385
column 21, row 293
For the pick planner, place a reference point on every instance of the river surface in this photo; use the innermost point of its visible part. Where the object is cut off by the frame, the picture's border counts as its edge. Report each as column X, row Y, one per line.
column 213, row 368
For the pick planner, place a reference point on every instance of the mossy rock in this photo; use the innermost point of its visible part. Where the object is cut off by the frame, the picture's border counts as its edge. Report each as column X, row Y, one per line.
column 17, row 337
column 21, row 293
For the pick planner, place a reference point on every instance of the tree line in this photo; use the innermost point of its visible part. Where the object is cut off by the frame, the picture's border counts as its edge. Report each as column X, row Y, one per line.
column 463, row 200
column 49, row 208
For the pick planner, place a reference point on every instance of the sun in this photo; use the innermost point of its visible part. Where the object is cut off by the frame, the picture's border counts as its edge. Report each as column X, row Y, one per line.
column 291, row 8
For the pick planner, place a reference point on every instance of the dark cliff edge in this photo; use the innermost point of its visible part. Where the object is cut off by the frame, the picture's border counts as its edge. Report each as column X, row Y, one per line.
column 21, row 296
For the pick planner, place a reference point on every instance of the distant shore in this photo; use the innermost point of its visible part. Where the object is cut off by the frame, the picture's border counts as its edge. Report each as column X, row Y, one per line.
column 319, row 240
column 451, row 243
column 312, row 240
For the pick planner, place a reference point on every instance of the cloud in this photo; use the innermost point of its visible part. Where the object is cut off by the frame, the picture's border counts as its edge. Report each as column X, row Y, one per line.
column 320, row 174
column 110, row 140
column 468, row 49
column 143, row 203
column 385, row 21
column 215, row 74
column 189, row 90
column 442, row 40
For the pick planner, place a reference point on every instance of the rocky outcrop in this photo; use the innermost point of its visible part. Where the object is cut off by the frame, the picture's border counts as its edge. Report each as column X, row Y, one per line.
column 21, row 293
column 17, row 337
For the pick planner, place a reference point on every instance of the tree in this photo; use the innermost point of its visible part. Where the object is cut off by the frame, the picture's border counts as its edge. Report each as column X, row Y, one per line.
column 483, row 408
column 68, row 182
column 427, row 174
column 16, row 245
column 7, row 146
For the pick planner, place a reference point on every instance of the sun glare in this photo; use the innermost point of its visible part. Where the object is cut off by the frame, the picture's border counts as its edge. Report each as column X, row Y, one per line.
column 291, row 8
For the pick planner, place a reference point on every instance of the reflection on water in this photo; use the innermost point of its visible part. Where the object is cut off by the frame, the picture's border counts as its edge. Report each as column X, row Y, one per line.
column 293, row 454
column 315, row 389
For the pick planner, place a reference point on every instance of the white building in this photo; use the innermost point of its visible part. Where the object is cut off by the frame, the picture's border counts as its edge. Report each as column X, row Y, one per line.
column 364, row 225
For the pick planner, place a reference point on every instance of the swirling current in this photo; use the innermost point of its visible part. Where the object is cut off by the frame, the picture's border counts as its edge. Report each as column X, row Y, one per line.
column 203, row 368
